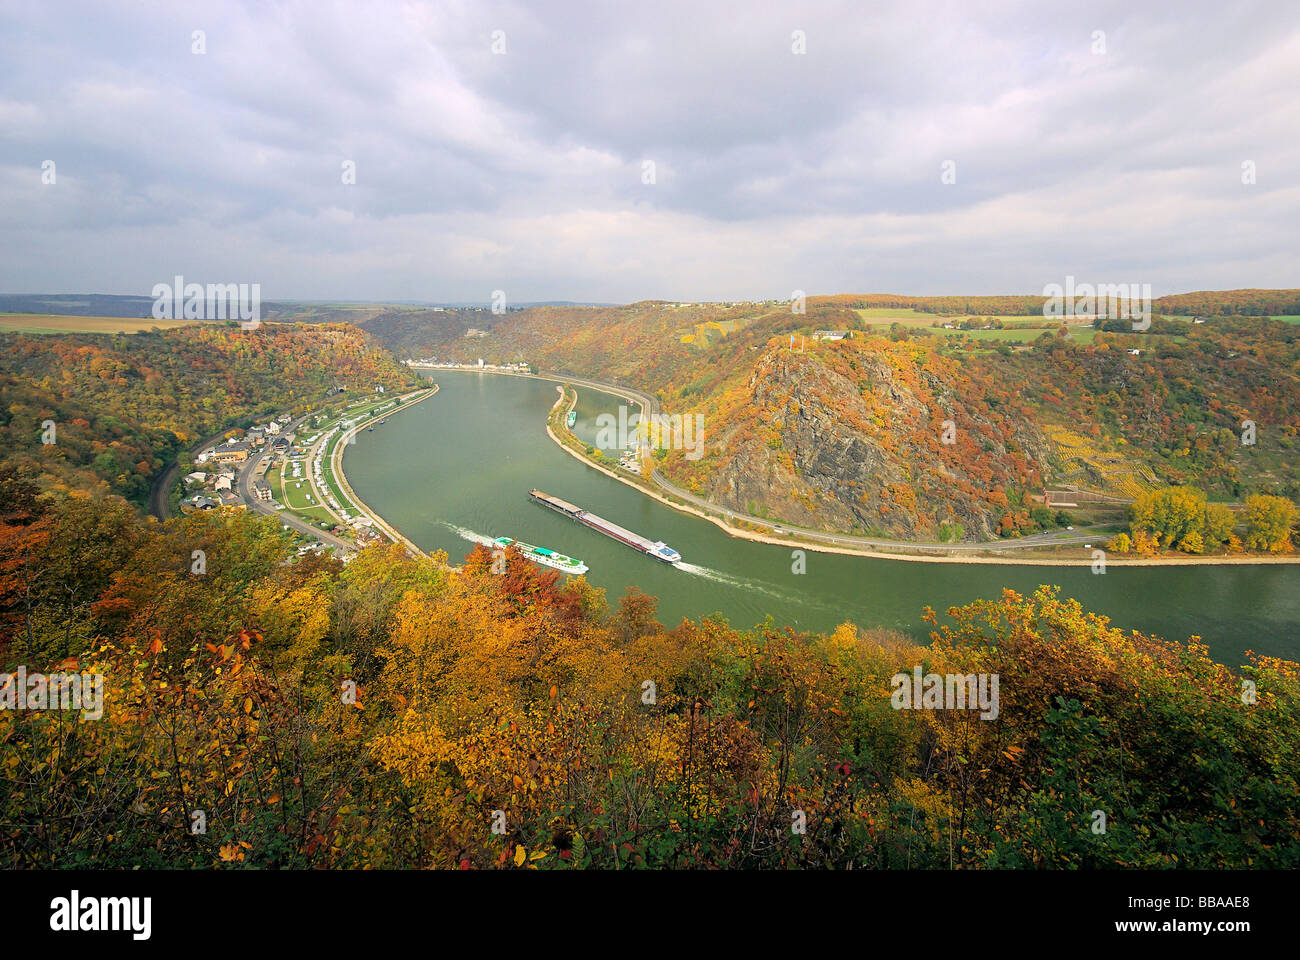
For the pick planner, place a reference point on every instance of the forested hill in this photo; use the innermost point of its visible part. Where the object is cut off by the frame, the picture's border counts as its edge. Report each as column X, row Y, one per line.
column 479, row 691
column 124, row 405
column 415, row 332
column 846, row 434
column 833, row 434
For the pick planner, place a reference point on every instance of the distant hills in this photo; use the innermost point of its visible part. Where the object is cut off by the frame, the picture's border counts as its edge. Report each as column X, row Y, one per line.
column 847, row 433
column 111, row 305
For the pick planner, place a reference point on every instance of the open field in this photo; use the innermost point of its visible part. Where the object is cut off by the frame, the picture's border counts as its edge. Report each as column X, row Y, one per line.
column 296, row 493
column 871, row 314
column 880, row 317
column 315, row 516
column 290, row 492
column 1289, row 318
column 1025, row 335
column 292, row 495
column 1082, row 335
column 703, row 333
column 53, row 323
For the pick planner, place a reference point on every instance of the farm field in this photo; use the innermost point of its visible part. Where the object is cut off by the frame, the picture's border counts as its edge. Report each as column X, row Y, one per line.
column 700, row 334
column 54, row 323
column 886, row 317
column 1025, row 335
column 893, row 313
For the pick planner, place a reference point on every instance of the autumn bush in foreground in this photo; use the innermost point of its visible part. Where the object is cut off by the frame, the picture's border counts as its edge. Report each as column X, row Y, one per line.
column 590, row 737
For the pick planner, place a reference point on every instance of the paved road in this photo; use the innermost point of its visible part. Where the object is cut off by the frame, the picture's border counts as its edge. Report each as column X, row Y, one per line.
column 158, row 498
column 244, row 487
column 159, row 507
column 651, row 405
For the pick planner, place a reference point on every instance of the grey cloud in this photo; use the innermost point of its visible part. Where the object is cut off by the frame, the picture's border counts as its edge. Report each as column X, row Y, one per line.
column 774, row 171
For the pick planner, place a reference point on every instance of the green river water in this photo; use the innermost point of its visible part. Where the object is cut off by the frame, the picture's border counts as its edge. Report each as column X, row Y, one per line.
column 458, row 467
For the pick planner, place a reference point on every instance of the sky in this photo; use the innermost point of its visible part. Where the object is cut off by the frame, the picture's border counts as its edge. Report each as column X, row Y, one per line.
column 615, row 152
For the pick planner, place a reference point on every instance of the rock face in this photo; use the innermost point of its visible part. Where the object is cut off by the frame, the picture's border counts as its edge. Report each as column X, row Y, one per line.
column 857, row 444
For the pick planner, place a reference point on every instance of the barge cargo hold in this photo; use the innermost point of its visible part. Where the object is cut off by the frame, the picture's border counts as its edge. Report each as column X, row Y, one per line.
column 657, row 549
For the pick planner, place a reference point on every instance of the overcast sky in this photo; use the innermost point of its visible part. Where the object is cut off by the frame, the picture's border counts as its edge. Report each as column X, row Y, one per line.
column 524, row 170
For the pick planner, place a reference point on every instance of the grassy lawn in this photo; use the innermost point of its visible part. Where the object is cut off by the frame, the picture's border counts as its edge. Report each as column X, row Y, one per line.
column 327, row 474
column 53, row 323
column 359, row 407
column 272, row 479
column 295, row 494
column 314, row 516
column 1289, row 318
column 292, row 495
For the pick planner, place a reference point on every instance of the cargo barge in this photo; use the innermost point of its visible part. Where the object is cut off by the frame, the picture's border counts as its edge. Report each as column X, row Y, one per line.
column 657, row 549
column 544, row 556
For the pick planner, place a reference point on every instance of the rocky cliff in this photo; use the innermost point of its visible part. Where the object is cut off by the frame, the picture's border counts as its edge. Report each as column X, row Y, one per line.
column 852, row 436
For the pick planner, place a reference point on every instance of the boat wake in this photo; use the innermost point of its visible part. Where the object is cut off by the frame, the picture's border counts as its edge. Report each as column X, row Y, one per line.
column 467, row 534
column 710, row 574
column 717, row 576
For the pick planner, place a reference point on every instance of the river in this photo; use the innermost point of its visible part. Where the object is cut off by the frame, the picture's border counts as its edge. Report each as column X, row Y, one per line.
column 458, row 467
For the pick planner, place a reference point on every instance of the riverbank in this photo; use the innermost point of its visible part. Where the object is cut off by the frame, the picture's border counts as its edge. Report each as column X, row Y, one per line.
column 1028, row 554
column 882, row 553
column 336, row 465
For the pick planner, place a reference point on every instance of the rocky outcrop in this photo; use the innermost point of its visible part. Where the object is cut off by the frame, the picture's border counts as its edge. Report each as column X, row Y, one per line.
column 858, row 445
